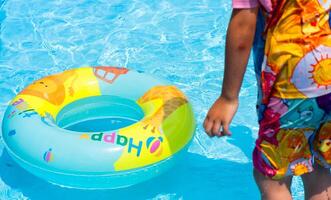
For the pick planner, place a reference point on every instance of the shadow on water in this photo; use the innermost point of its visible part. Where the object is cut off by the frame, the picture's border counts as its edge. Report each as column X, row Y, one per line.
column 194, row 177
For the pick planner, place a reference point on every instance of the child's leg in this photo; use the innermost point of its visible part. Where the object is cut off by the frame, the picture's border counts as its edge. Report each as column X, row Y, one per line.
column 317, row 184
column 273, row 189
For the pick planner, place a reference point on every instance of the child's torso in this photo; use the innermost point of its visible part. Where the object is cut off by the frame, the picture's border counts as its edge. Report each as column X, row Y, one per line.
column 297, row 51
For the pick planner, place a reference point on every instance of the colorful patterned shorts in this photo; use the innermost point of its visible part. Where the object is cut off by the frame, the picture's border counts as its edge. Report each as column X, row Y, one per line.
column 293, row 134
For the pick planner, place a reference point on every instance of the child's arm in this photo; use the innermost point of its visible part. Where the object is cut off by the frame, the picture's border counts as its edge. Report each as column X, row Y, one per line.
column 240, row 36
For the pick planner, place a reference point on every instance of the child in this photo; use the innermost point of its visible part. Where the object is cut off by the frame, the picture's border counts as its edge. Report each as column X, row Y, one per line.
column 292, row 50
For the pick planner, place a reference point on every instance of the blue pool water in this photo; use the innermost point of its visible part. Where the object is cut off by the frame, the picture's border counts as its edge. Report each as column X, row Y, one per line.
column 181, row 41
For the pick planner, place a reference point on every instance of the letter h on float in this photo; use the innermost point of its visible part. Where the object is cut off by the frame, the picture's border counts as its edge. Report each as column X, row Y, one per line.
column 138, row 147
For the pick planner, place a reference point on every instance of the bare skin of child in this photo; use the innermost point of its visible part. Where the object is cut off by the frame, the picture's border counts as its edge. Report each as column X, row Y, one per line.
column 239, row 40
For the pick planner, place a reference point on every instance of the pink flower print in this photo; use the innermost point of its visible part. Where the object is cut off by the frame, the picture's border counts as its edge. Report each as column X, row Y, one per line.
column 267, row 82
column 277, row 105
column 269, row 126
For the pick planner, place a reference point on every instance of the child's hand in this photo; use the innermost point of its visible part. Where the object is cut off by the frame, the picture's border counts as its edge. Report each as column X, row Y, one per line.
column 239, row 39
column 220, row 116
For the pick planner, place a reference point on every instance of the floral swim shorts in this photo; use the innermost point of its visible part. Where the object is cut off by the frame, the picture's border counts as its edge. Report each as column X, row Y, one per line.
column 293, row 134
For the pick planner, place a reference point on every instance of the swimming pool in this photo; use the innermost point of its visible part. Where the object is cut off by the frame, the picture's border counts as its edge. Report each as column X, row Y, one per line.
column 181, row 41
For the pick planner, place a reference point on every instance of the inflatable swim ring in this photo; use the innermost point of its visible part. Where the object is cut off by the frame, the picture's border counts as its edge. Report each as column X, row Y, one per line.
column 98, row 127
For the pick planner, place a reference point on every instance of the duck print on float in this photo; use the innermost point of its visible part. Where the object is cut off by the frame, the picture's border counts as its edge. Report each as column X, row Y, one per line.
column 51, row 88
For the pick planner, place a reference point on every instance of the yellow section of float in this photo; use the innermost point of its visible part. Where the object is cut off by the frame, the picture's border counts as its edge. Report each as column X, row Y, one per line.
column 174, row 138
column 52, row 93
